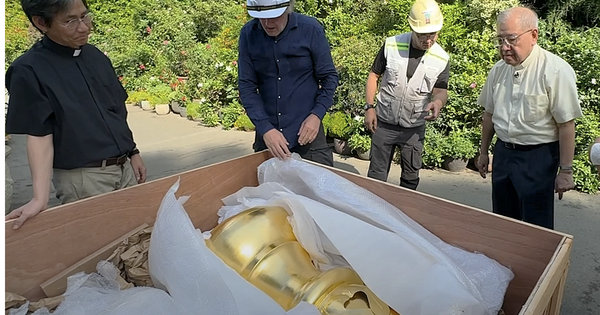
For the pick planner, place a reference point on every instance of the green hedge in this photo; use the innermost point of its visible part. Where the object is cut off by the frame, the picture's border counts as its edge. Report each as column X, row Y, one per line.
column 190, row 48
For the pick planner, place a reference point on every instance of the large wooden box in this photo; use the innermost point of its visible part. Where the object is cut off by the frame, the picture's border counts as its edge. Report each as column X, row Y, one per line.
column 61, row 236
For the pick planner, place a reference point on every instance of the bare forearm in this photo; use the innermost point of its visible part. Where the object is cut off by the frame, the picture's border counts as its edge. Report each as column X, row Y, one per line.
column 40, row 153
column 487, row 132
column 371, row 88
column 566, row 140
column 440, row 95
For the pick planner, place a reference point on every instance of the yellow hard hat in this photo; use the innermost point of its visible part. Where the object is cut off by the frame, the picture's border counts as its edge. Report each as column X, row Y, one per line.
column 425, row 17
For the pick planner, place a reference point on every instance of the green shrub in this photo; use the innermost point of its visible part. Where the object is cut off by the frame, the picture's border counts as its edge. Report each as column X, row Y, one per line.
column 244, row 123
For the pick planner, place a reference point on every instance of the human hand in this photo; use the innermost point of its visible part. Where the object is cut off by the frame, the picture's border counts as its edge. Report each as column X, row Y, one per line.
column 309, row 129
column 482, row 164
column 30, row 209
column 139, row 169
column 434, row 106
column 563, row 182
column 277, row 144
column 371, row 119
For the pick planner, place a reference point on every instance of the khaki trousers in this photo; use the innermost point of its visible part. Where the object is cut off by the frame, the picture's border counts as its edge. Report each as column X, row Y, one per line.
column 80, row 183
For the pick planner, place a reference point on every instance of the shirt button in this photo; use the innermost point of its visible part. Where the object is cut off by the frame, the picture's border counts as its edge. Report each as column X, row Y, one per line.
column 277, row 60
column 279, row 79
column 275, row 42
column 280, row 129
column 279, row 114
column 279, row 96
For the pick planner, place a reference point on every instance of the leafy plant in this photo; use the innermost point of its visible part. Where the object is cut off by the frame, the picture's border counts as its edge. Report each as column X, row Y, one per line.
column 360, row 142
column 340, row 126
column 458, row 145
column 244, row 123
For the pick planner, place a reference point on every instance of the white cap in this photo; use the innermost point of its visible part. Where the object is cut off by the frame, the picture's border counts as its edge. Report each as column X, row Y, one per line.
column 267, row 9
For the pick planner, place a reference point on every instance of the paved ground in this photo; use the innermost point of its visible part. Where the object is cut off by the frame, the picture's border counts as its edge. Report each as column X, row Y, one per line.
column 170, row 144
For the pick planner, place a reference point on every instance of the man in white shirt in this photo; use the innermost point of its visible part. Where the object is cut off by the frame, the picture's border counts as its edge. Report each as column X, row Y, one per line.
column 530, row 100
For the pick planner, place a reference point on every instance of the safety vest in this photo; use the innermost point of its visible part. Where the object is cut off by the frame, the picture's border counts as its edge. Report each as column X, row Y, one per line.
column 400, row 101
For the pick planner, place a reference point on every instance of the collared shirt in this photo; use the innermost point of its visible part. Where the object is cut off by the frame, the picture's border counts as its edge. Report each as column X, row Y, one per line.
column 279, row 77
column 72, row 94
column 527, row 101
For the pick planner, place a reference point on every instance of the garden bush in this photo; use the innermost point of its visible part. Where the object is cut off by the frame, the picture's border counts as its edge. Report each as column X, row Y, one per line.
column 190, row 48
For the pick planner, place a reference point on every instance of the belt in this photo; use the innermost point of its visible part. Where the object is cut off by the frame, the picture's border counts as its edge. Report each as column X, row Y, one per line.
column 520, row 147
column 118, row 160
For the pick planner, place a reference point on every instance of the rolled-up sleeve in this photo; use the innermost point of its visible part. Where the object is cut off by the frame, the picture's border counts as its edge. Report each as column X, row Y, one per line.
column 562, row 94
column 29, row 110
column 325, row 72
column 486, row 97
column 248, row 87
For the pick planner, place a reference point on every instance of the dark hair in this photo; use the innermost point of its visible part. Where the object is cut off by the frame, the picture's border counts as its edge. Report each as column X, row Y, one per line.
column 46, row 9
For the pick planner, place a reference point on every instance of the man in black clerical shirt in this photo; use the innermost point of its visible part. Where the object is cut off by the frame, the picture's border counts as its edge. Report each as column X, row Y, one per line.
column 67, row 99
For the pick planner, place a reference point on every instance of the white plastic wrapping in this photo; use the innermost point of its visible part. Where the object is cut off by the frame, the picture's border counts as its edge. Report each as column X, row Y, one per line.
column 408, row 267
column 189, row 279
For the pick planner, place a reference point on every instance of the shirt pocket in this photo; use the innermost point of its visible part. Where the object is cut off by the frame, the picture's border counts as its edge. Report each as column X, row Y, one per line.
column 535, row 106
column 429, row 80
column 114, row 96
column 392, row 69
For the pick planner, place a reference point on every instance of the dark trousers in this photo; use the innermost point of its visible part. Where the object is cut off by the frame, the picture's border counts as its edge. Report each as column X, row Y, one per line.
column 383, row 146
column 523, row 182
column 317, row 151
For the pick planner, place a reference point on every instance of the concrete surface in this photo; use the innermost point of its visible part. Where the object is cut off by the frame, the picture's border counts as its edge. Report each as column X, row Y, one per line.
column 171, row 144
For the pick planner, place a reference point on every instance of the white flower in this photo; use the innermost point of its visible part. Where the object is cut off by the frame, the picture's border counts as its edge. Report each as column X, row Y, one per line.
column 357, row 118
column 202, row 100
column 200, row 84
column 152, row 78
column 594, row 81
column 184, row 12
column 181, row 24
column 228, row 68
column 577, row 56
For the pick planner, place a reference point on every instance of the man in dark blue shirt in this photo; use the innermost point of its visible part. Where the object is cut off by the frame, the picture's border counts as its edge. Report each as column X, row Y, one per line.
column 286, row 80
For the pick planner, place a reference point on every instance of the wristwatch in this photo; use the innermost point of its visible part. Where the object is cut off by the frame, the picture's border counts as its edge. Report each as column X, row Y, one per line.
column 367, row 106
column 566, row 168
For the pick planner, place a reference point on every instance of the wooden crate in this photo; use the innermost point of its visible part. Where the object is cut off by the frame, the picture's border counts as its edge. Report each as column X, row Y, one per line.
column 59, row 237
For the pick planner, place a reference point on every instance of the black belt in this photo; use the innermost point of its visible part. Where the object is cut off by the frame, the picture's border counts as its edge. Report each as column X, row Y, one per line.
column 118, row 160
column 520, row 147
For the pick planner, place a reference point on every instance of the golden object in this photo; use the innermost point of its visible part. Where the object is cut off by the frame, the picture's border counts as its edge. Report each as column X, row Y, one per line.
column 260, row 245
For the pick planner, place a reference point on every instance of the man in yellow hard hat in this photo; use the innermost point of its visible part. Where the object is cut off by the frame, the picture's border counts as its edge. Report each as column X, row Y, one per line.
column 414, row 72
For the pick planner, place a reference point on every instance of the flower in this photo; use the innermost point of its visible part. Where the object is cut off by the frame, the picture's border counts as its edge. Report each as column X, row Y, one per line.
column 121, row 78
column 594, row 81
column 207, row 46
column 166, row 42
column 142, row 67
column 228, row 68
column 106, row 53
column 473, row 85
column 234, row 62
column 148, row 29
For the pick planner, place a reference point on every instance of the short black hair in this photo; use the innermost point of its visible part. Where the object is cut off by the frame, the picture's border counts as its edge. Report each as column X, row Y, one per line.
column 46, row 9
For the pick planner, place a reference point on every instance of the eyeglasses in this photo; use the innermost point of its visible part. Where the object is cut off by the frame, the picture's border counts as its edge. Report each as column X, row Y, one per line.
column 426, row 35
column 73, row 24
column 510, row 41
